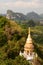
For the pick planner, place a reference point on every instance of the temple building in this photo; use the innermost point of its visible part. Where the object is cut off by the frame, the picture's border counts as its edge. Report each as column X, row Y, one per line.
column 29, row 52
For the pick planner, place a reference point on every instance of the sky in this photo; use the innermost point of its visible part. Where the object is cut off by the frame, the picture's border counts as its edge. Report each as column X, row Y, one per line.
column 22, row 6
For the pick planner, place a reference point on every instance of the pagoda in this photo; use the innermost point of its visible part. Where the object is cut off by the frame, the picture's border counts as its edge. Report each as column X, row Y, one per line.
column 29, row 52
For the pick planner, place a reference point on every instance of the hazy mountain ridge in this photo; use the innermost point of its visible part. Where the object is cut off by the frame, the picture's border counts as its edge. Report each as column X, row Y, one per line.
column 41, row 15
column 20, row 16
column 15, row 16
column 33, row 15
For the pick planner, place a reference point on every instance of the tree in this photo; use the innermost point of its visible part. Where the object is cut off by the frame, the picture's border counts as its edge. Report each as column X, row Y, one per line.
column 31, row 23
column 20, row 61
column 3, row 21
column 3, row 39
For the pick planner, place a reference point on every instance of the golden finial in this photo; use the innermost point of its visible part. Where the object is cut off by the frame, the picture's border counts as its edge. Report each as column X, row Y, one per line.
column 29, row 31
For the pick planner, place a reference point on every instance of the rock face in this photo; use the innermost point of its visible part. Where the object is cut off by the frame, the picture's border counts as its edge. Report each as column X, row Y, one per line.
column 10, row 14
column 15, row 16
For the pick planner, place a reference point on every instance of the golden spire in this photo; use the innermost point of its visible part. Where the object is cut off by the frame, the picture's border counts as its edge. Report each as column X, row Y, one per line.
column 29, row 39
column 29, row 42
column 29, row 31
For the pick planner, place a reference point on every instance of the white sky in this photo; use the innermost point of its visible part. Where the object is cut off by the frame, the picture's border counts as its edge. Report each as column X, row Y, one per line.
column 23, row 6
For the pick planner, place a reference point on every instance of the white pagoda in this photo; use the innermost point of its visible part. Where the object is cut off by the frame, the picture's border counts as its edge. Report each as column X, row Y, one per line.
column 29, row 53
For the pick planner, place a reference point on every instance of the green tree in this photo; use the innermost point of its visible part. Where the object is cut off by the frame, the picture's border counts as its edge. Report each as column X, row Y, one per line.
column 3, row 39
column 20, row 61
column 31, row 23
column 3, row 21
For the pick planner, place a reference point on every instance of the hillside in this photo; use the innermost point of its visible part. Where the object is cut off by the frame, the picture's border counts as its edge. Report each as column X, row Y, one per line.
column 12, row 40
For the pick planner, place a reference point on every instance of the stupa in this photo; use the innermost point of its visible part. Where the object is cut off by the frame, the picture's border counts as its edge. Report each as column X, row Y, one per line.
column 29, row 52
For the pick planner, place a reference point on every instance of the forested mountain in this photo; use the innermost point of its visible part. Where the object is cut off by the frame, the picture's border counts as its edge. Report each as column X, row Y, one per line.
column 12, row 40
column 34, row 16
column 41, row 15
column 20, row 16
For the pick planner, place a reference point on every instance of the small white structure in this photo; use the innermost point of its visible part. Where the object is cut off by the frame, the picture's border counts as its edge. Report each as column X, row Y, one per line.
column 29, row 53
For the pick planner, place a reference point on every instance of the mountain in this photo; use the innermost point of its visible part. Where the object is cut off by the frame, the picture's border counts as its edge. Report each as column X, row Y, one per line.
column 15, row 16
column 21, row 17
column 41, row 15
column 32, row 15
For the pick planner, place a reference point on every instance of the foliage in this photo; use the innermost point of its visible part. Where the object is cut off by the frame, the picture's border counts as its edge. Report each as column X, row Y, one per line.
column 21, row 61
column 3, row 21
column 3, row 39
column 13, row 38
column 31, row 23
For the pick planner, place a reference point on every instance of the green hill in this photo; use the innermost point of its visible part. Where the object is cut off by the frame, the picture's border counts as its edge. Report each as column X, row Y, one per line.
column 12, row 40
